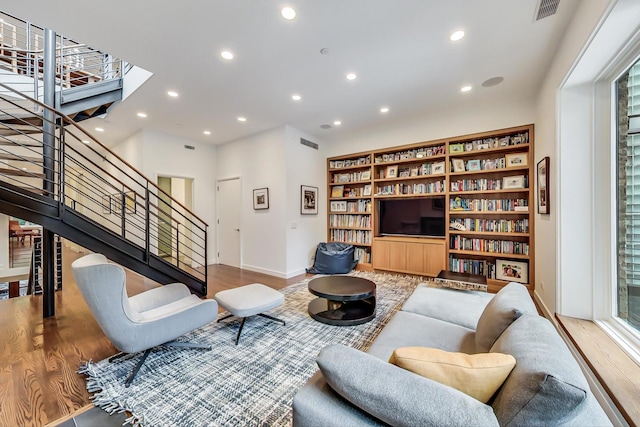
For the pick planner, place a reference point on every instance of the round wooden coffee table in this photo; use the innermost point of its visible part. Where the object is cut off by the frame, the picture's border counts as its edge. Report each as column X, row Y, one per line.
column 343, row 300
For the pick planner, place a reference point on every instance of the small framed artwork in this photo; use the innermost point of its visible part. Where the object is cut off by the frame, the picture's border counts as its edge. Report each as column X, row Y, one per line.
column 339, row 164
column 308, row 200
column 392, row 171
column 437, row 167
column 366, row 191
column 365, row 175
column 473, row 165
column 106, row 204
column 130, row 202
column 337, row 191
column 260, row 198
column 516, row 181
column 515, row 160
column 512, row 271
column 404, row 172
column 340, row 206
column 456, row 148
column 458, row 165
column 543, row 186
column 343, row 177
column 415, row 171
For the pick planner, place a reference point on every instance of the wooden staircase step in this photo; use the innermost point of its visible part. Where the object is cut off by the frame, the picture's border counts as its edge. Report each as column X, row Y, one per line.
column 8, row 156
column 19, row 172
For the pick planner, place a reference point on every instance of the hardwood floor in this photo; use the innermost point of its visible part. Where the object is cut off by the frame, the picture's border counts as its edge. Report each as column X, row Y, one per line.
column 39, row 357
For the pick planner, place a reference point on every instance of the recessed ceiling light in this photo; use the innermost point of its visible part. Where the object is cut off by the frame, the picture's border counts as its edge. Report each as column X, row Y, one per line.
column 296, row 97
column 493, row 81
column 172, row 94
column 454, row 37
column 337, row 123
column 86, row 141
column 384, row 109
column 207, row 132
column 242, row 119
column 288, row 13
column 143, row 115
column 100, row 129
column 465, row 88
column 226, row 54
column 352, row 76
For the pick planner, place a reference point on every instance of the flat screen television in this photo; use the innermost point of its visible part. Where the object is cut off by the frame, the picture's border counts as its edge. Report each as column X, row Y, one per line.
column 412, row 217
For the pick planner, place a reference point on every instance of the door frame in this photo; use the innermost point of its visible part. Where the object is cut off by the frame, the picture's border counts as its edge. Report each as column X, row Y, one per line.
column 218, row 181
column 193, row 189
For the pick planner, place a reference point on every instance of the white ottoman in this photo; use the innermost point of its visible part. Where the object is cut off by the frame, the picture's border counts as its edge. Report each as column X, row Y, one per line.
column 249, row 300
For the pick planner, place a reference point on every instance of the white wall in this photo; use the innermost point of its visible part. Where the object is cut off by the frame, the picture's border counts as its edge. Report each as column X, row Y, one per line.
column 305, row 166
column 4, row 241
column 260, row 161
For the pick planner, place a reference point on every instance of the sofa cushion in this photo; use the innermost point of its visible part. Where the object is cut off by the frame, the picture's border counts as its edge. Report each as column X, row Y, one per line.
column 413, row 330
column 395, row 396
column 478, row 375
column 437, row 302
column 546, row 385
column 508, row 304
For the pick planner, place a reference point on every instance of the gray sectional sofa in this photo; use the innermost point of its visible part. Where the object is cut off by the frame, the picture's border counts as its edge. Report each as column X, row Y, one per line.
column 546, row 386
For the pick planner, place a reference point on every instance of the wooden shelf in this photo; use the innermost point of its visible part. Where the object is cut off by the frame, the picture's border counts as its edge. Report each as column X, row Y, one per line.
column 488, row 233
column 350, row 198
column 488, row 254
column 410, row 178
column 351, row 183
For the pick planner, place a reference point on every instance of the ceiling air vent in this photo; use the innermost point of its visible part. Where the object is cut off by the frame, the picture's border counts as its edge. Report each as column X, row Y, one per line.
column 546, row 8
column 189, row 147
column 308, row 143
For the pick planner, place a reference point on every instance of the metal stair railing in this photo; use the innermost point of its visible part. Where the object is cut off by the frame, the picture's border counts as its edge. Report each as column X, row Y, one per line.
column 96, row 184
column 21, row 55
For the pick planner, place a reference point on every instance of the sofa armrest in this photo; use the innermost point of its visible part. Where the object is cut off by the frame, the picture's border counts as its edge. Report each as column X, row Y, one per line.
column 396, row 396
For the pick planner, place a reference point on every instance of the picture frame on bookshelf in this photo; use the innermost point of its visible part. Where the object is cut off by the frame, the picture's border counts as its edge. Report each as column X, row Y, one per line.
column 458, row 165
column 366, row 190
column 392, row 171
column 482, row 146
column 260, row 199
column 437, row 167
column 339, row 164
column 516, row 181
column 468, row 146
column 365, row 175
column 343, row 177
column 339, row 206
column 456, row 148
column 473, row 165
column 543, row 186
column 514, row 160
column 404, row 172
column 512, row 271
column 415, row 171
column 308, row 200
column 337, row 191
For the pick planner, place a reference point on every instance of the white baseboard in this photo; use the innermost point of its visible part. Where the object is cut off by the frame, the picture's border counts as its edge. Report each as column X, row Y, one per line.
column 264, row 271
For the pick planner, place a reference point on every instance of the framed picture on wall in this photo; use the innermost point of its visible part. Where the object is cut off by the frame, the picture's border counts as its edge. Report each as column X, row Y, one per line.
column 260, row 198
column 308, row 200
column 543, row 186
column 130, row 202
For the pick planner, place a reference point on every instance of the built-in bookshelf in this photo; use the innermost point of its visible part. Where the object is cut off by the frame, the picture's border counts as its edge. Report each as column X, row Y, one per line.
column 485, row 181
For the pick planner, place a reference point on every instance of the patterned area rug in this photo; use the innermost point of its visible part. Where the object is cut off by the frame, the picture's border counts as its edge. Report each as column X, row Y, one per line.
column 251, row 384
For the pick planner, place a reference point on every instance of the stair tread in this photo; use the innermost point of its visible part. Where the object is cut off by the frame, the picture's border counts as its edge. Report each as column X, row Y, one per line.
column 7, row 156
column 19, row 172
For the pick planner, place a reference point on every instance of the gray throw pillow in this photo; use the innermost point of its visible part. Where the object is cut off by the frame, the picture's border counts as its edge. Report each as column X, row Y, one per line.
column 546, row 387
column 396, row 396
column 509, row 303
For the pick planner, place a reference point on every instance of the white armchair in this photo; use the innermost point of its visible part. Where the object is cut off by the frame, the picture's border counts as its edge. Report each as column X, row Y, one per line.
column 152, row 318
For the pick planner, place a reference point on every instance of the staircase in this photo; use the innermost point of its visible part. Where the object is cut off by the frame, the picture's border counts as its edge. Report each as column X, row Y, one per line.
column 54, row 173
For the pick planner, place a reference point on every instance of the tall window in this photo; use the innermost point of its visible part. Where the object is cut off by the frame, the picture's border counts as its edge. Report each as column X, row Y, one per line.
column 628, row 89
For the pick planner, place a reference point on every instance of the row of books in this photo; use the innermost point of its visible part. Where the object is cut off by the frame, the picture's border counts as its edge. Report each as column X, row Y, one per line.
column 486, row 143
column 417, row 153
column 358, row 206
column 488, row 245
column 489, row 205
column 353, row 221
column 473, row 266
column 494, row 225
column 348, row 163
column 483, row 184
column 362, row 254
column 351, row 236
column 337, row 178
column 417, row 188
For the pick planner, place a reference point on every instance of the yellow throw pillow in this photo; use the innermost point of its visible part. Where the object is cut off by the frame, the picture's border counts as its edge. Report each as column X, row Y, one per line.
column 478, row 375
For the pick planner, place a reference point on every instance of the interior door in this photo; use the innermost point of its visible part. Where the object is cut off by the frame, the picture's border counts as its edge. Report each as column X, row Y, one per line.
column 229, row 210
column 165, row 233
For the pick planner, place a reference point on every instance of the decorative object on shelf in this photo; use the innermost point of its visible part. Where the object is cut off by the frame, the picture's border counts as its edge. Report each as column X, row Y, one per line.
column 392, row 171
column 343, row 177
column 130, row 202
column 366, row 191
column 516, row 160
column 337, row 191
column 543, row 186
column 260, row 198
column 512, row 271
column 308, row 200
column 516, row 181
column 365, row 175
column 456, row 148
column 473, row 165
column 458, row 165
column 438, row 167
column 106, row 204
column 340, row 206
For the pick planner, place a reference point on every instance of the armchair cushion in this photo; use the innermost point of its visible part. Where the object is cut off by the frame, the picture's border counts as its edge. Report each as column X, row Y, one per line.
column 396, row 396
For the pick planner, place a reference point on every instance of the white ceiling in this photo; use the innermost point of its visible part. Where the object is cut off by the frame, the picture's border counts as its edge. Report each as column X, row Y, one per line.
column 400, row 50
